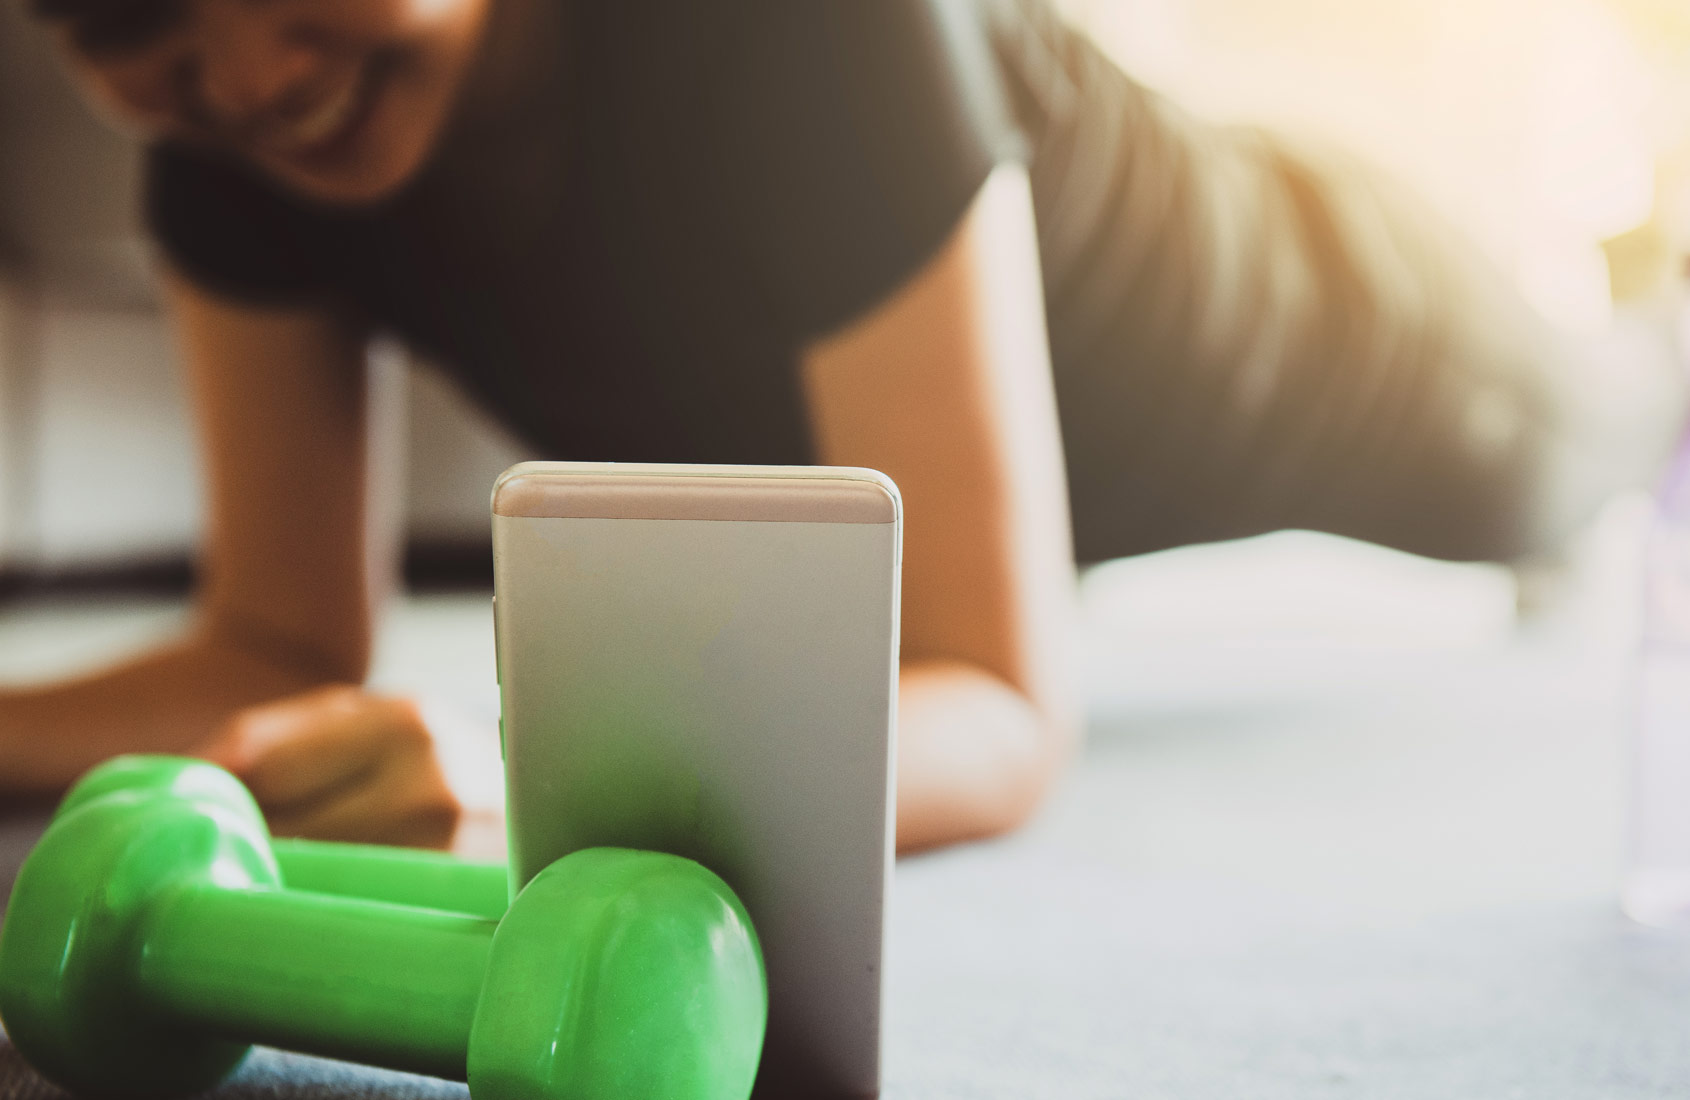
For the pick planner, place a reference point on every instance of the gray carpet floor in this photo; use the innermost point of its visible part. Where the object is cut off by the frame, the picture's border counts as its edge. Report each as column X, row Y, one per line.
column 1308, row 853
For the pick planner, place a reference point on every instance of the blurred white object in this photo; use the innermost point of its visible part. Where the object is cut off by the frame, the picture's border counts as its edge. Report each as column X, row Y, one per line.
column 1657, row 885
column 1287, row 616
column 1297, row 585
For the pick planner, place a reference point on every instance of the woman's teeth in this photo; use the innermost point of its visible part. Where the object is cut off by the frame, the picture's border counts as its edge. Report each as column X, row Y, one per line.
column 324, row 121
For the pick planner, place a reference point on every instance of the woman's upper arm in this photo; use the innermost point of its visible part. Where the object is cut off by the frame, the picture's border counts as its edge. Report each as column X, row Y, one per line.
column 946, row 387
column 280, row 397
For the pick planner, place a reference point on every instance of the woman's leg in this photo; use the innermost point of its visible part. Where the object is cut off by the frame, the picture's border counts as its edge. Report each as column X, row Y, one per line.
column 1265, row 338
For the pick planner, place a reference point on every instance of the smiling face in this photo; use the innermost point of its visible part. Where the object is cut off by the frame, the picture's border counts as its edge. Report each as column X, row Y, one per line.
column 338, row 100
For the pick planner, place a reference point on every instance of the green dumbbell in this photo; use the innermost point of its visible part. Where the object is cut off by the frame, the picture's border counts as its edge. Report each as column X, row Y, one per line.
column 149, row 943
column 407, row 876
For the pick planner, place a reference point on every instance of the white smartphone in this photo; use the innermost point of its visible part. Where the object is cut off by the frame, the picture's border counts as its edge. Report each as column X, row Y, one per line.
column 704, row 660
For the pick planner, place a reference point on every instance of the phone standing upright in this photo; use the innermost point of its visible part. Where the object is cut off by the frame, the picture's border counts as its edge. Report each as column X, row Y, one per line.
column 703, row 660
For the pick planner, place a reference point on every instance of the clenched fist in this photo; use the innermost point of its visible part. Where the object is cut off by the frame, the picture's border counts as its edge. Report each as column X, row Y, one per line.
column 337, row 763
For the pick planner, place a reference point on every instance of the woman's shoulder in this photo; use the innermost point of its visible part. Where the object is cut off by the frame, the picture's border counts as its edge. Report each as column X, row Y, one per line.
column 840, row 140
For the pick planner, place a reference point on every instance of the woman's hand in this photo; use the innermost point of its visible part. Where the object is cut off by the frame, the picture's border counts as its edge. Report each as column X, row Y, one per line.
column 339, row 764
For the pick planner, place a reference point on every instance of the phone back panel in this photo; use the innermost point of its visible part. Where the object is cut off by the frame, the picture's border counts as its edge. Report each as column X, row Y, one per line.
column 678, row 677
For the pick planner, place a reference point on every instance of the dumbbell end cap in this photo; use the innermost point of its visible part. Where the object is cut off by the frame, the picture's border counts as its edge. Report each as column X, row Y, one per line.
column 182, row 777
column 76, row 928
column 621, row 973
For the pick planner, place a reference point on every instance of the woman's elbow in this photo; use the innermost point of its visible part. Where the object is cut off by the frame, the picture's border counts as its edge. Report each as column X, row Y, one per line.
column 1050, row 752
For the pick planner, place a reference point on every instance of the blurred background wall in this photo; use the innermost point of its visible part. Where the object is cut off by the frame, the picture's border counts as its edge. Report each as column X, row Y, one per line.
column 1545, row 127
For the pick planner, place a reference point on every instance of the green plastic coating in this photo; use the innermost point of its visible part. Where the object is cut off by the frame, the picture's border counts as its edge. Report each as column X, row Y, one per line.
column 404, row 876
column 621, row 975
column 342, row 977
column 74, row 927
column 182, row 777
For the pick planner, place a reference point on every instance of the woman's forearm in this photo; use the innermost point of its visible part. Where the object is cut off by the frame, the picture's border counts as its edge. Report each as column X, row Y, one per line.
column 975, row 757
column 168, row 700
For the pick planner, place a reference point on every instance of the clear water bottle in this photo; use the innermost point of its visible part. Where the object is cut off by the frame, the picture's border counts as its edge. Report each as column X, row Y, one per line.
column 1657, row 886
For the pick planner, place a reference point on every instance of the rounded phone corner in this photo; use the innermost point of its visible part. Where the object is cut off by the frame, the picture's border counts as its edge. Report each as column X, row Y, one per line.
column 515, row 491
column 888, row 489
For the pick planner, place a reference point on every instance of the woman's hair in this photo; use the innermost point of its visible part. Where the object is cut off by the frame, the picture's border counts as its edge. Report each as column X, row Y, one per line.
column 110, row 24
column 58, row 10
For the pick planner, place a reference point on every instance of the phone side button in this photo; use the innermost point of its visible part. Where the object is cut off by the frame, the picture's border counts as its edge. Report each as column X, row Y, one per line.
column 501, row 737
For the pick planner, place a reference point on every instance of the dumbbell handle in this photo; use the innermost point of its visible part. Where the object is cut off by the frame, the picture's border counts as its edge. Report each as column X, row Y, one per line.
column 368, row 981
column 405, row 876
